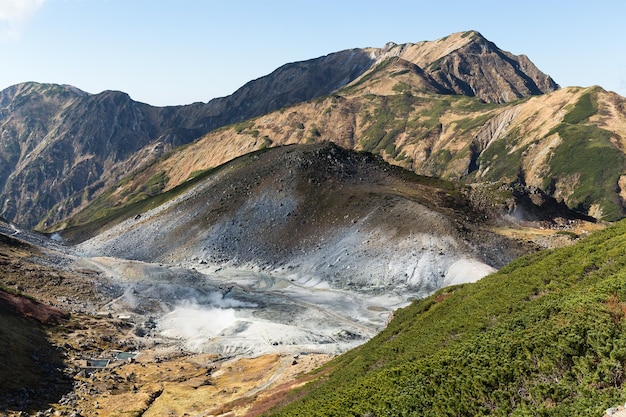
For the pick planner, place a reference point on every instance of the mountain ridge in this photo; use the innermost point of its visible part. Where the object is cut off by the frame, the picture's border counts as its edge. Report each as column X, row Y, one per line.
column 76, row 128
column 452, row 137
column 308, row 226
column 319, row 212
column 516, row 76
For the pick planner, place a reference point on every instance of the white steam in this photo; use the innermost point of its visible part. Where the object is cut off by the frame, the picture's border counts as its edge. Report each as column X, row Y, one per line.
column 195, row 325
column 216, row 299
column 196, row 321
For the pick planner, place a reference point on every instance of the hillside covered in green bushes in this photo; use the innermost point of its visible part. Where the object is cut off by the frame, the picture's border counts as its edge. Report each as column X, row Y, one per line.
column 545, row 336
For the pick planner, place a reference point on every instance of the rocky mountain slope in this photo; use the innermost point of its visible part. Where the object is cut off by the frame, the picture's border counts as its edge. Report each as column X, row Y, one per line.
column 468, row 64
column 53, row 330
column 568, row 142
column 286, row 250
column 304, row 248
column 60, row 147
column 320, row 212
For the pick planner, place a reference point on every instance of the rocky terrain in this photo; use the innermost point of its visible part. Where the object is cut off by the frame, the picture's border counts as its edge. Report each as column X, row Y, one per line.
column 61, row 147
column 59, row 325
column 316, row 212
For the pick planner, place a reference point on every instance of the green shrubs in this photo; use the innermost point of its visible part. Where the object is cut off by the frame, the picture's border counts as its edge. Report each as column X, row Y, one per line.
column 587, row 153
column 156, row 183
column 387, row 122
column 545, row 336
column 240, row 127
column 583, row 109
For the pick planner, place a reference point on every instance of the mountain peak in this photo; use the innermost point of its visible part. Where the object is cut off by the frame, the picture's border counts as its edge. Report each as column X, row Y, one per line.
column 467, row 63
column 471, row 34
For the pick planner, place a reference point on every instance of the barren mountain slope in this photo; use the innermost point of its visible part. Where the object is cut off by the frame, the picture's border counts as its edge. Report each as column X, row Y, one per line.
column 62, row 146
column 317, row 212
column 48, row 349
column 470, row 65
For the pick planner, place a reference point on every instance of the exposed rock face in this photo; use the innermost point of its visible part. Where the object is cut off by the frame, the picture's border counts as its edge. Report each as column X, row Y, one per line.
column 391, row 113
column 294, row 83
column 481, row 69
column 60, row 147
column 468, row 64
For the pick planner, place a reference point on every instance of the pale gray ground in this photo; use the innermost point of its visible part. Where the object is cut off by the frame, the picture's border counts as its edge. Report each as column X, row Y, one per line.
column 236, row 312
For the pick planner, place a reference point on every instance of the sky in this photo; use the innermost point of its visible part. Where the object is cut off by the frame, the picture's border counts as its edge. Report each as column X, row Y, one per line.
column 173, row 52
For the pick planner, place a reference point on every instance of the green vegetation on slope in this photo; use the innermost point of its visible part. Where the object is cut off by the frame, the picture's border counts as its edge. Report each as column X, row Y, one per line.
column 587, row 156
column 387, row 122
column 503, row 162
column 545, row 336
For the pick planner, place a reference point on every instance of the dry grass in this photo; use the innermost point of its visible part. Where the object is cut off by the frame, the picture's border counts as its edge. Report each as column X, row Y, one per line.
column 199, row 385
column 550, row 237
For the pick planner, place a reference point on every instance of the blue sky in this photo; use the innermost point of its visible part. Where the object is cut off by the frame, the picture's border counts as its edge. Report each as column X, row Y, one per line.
column 167, row 52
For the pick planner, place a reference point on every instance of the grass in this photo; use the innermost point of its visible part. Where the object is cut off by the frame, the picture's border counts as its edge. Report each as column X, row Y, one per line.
column 571, row 235
column 16, row 292
column 156, row 183
column 585, row 107
column 502, row 163
column 470, row 123
column 435, row 65
column 387, row 122
column 240, row 127
column 401, row 87
column 468, row 33
column 431, row 115
column 438, row 160
column 586, row 152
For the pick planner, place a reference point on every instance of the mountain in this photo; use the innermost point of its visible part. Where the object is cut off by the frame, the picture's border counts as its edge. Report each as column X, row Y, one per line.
column 301, row 230
column 543, row 336
column 61, row 147
column 568, row 142
column 313, row 212
column 468, row 64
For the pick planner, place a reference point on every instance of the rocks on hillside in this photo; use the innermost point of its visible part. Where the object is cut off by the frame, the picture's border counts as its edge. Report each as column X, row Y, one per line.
column 619, row 411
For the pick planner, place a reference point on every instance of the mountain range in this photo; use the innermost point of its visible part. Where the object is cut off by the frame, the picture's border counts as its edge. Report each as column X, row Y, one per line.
column 352, row 197
column 61, row 147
